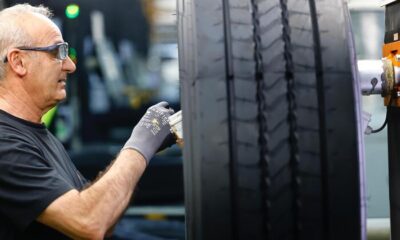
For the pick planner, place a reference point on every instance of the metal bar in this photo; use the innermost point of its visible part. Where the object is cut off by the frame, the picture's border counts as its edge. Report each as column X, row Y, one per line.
column 394, row 170
column 176, row 211
column 369, row 74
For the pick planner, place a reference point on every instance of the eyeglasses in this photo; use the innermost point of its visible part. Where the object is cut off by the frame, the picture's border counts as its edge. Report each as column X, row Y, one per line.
column 59, row 50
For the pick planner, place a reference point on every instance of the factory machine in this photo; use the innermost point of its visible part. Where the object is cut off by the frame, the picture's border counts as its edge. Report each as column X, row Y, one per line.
column 385, row 80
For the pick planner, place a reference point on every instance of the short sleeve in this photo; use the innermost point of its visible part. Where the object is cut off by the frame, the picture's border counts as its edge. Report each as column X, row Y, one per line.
column 28, row 183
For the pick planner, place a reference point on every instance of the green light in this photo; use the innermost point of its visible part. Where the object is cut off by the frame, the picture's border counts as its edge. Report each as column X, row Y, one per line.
column 72, row 54
column 72, row 11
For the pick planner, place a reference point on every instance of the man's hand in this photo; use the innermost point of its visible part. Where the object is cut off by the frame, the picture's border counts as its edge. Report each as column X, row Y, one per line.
column 151, row 131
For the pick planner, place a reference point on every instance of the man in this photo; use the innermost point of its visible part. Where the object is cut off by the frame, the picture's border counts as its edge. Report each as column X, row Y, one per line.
column 42, row 195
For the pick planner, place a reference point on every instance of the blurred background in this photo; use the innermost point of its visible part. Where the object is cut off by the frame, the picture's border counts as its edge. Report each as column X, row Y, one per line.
column 127, row 60
column 368, row 20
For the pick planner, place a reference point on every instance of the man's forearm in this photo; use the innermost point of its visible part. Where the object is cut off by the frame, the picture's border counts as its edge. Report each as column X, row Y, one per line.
column 108, row 197
column 91, row 213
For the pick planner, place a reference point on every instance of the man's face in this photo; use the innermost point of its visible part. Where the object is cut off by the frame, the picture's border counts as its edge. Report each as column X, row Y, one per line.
column 47, row 75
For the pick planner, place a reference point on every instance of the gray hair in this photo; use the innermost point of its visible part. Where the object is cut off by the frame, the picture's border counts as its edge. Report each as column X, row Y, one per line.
column 11, row 32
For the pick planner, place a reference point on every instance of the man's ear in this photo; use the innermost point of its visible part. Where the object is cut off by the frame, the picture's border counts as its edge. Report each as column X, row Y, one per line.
column 17, row 62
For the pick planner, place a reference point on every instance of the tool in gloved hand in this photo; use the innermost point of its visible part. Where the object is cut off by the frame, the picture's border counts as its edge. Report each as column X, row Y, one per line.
column 151, row 131
column 176, row 136
column 175, row 121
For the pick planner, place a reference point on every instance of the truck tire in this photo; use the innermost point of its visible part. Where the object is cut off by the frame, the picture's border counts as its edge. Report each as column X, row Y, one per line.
column 270, row 120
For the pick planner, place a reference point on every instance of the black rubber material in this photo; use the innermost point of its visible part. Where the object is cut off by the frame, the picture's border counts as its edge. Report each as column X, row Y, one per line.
column 269, row 120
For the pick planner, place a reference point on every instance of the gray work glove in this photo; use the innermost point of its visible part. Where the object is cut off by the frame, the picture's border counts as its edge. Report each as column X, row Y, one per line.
column 151, row 131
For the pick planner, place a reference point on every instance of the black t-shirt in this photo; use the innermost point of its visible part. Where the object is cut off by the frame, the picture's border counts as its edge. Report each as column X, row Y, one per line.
column 35, row 170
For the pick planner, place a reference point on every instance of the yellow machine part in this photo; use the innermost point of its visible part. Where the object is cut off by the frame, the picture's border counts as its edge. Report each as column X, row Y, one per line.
column 390, row 51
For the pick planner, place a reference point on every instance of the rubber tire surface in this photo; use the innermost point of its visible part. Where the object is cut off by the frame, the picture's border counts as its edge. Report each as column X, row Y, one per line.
column 272, row 154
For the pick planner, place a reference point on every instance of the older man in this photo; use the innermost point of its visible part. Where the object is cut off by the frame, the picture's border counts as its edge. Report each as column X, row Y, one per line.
column 42, row 195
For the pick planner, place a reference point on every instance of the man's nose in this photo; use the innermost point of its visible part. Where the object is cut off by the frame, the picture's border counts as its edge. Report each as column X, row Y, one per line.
column 69, row 65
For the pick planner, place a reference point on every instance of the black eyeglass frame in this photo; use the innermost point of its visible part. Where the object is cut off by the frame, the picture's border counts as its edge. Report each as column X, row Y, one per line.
column 50, row 48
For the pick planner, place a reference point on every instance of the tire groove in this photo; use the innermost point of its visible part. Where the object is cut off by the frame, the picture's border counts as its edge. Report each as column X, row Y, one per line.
column 322, row 121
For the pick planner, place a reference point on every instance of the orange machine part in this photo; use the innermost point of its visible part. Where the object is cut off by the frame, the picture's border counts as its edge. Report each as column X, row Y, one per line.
column 389, row 51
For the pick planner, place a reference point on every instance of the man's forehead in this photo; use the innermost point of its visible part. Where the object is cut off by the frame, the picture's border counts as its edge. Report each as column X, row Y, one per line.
column 41, row 28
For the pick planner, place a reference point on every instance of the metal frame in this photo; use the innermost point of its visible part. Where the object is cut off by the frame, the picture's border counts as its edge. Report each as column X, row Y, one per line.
column 394, row 169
